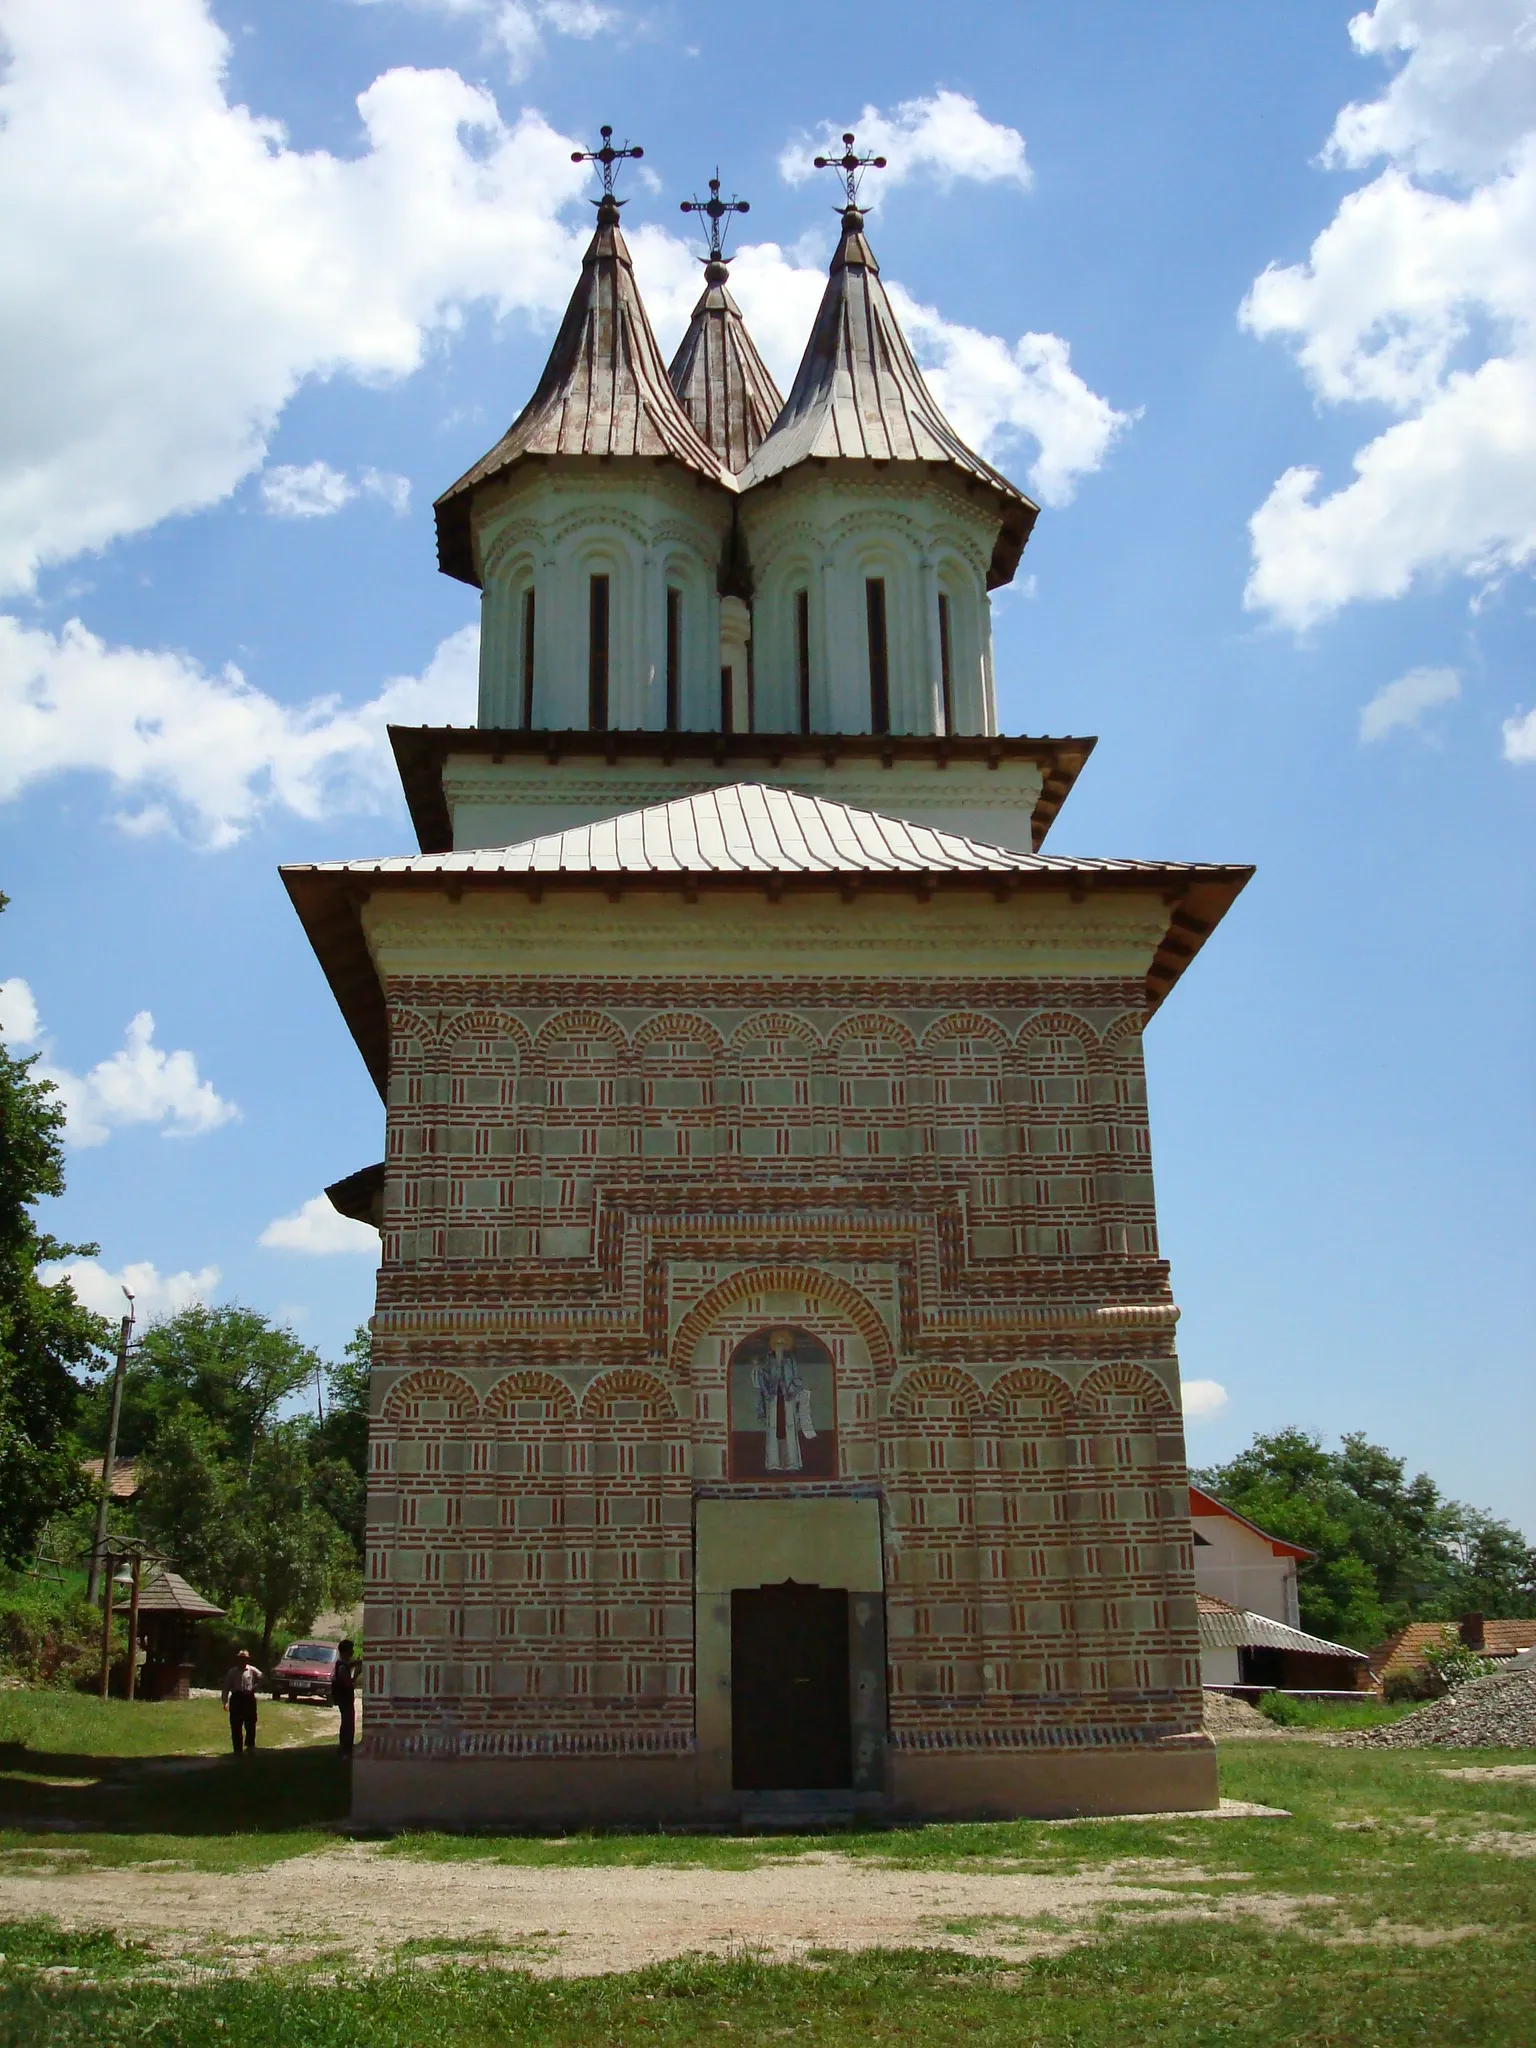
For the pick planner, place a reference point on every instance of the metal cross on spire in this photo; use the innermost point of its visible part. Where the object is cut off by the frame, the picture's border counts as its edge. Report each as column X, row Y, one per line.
column 850, row 167
column 718, row 212
column 607, row 158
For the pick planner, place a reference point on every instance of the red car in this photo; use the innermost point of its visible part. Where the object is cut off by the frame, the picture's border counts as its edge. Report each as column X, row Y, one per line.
column 303, row 1672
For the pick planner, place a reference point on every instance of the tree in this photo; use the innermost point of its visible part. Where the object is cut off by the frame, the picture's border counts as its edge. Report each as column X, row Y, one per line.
column 1388, row 1549
column 287, row 1555
column 341, row 1441
column 46, row 1335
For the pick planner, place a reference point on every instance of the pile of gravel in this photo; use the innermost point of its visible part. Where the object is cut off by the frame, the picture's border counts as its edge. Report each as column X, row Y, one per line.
column 1496, row 1712
column 1225, row 1715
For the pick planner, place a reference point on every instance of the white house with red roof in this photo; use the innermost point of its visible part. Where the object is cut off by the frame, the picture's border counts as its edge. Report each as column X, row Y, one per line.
column 1237, row 1561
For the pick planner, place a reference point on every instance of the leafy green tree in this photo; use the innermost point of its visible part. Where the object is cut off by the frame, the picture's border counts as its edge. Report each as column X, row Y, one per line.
column 188, row 1493
column 46, row 1336
column 341, row 1441
column 287, row 1554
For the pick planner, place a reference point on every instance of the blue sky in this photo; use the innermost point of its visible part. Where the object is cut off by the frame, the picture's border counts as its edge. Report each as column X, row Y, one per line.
column 1245, row 295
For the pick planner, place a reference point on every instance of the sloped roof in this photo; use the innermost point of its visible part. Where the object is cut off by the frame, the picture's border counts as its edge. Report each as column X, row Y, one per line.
column 125, row 1475
column 1232, row 1628
column 721, row 381
column 859, row 395
column 169, row 1593
column 604, row 392
column 722, row 837
column 1405, row 1650
column 1203, row 1503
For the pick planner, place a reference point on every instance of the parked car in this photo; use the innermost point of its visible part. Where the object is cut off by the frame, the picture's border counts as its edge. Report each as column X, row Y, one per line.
column 303, row 1672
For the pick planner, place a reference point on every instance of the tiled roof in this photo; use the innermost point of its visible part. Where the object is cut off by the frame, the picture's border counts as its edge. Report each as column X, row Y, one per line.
column 1230, row 1628
column 125, row 1476
column 721, row 381
column 751, row 828
column 604, row 392
column 859, row 395
column 1405, row 1650
column 1203, row 1503
column 169, row 1593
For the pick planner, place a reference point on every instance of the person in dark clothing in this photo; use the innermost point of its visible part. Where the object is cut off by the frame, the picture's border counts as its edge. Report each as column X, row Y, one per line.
column 238, row 1693
column 344, row 1694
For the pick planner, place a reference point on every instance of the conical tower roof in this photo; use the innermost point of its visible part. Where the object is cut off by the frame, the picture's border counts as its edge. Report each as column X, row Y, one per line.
column 723, row 383
column 859, row 396
column 604, row 392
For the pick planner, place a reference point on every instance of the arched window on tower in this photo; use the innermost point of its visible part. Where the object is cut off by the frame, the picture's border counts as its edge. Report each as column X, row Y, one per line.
column 879, row 655
column 803, row 657
column 674, row 657
column 946, row 667
column 597, row 653
column 525, row 658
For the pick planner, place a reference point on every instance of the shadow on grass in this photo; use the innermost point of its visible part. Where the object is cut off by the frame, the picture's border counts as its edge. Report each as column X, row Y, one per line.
column 262, row 1792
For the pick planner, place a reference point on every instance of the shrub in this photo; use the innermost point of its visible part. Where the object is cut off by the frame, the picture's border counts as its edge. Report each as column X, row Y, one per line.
column 50, row 1635
column 1280, row 1708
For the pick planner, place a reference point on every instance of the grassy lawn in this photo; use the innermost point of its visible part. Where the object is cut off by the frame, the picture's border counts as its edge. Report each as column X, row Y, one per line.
column 1405, row 1909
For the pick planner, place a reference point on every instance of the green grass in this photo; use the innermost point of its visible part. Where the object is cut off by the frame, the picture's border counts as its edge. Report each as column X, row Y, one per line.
column 1342, row 1714
column 1168, row 1988
column 121, row 1781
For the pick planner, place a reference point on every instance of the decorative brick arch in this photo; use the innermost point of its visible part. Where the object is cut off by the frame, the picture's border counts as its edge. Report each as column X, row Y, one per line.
column 571, row 1021
column 430, row 1383
column 1124, row 1034
column 1030, row 1383
column 629, row 1383
column 936, row 1382
column 1057, row 1024
column 873, row 1024
column 678, row 1024
column 777, row 1024
column 965, row 1024
column 529, row 1386
column 485, row 1023
column 1109, row 1383
column 828, row 1288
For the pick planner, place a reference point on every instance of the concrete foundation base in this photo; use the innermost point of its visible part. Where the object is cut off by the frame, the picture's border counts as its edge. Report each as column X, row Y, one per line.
column 1174, row 1776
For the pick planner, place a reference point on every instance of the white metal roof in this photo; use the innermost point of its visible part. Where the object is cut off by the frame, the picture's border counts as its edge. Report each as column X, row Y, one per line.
column 745, row 828
column 1230, row 1628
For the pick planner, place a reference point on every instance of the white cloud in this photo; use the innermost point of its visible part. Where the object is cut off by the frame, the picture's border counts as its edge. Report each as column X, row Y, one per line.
column 943, row 137
column 19, row 1022
column 138, row 1084
column 207, row 754
column 1520, row 739
column 1422, row 301
column 156, row 1295
column 320, row 1230
column 1203, row 1399
column 175, row 270
column 315, row 490
column 516, row 27
column 1403, row 703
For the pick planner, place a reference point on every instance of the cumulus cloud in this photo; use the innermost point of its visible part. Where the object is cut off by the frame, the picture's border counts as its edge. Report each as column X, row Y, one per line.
column 314, row 490
column 517, row 28
column 319, row 1230
column 156, row 1295
column 138, row 1084
column 1520, row 739
column 1420, row 300
column 207, row 754
column 1203, row 1399
column 1403, row 704
column 943, row 136
column 175, row 270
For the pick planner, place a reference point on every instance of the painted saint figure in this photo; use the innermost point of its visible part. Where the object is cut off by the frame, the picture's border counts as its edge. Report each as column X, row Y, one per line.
column 783, row 1404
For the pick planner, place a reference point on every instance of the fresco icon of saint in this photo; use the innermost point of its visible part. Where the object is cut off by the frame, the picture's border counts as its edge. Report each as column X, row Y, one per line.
column 783, row 1406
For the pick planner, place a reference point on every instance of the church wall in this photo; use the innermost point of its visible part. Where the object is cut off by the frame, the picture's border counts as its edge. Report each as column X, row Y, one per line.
column 599, row 1186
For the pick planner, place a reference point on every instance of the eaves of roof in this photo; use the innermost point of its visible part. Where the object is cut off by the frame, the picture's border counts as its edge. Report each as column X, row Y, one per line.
column 1233, row 1629
column 422, row 752
column 1203, row 1503
column 747, row 835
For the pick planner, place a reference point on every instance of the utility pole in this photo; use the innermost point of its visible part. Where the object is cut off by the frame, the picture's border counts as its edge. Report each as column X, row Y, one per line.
column 93, row 1579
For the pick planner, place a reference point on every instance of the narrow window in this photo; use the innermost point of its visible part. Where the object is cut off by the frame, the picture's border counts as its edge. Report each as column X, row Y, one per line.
column 597, row 654
column 946, row 672
column 727, row 724
column 751, row 690
column 879, row 672
column 674, row 659
column 527, row 660
column 803, row 655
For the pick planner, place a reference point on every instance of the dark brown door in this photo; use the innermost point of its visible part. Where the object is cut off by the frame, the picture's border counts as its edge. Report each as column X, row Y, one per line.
column 791, row 1721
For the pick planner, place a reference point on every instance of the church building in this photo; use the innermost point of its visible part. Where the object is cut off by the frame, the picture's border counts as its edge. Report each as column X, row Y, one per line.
column 775, row 1410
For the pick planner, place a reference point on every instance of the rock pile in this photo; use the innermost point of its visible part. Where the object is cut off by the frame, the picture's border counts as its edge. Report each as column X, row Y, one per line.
column 1225, row 1715
column 1496, row 1712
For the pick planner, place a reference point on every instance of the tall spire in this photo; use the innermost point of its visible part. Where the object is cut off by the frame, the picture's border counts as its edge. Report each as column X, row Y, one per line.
column 604, row 391
column 859, row 395
column 718, row 375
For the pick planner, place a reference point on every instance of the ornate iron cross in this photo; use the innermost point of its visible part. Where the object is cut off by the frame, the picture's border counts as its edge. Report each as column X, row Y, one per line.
column 718, row 212
column 850, row 167
column 607, row 158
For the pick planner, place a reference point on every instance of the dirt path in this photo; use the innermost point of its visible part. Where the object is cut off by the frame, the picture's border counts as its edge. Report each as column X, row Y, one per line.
column 354, row 1901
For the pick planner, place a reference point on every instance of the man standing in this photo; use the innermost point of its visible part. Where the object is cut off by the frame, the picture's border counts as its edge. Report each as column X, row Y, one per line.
column 344, row 1693
column 239, row 1695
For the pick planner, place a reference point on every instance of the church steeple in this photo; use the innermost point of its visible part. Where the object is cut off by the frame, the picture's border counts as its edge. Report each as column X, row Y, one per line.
column 717, row 373
column 859, row 396
column 604, row 392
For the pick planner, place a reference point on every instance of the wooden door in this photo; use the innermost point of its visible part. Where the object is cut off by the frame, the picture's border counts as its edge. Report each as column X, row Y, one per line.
column 791, row 1718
